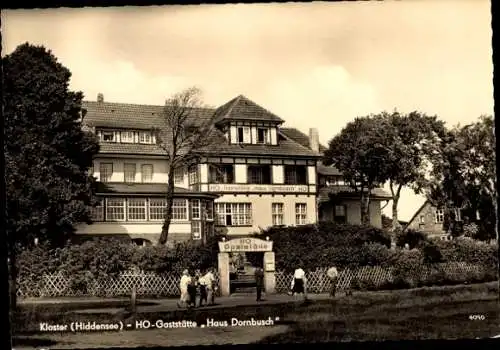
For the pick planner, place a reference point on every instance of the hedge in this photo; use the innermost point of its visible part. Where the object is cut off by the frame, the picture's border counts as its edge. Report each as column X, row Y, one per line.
column 311, row 246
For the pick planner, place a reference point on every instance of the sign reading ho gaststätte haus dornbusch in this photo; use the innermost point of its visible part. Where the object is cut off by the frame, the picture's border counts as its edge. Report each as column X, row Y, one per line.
column 260, row 175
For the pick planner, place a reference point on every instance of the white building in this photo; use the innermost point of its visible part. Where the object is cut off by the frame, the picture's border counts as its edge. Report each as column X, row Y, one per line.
column 262, row 175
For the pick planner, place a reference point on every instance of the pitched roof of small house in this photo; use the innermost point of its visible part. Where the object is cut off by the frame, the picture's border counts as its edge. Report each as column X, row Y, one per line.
column 242, row 108
column 417, row 213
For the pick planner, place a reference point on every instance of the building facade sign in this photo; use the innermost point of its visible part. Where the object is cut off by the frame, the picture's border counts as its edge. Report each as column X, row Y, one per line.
column 258, row 188
column 245, row 245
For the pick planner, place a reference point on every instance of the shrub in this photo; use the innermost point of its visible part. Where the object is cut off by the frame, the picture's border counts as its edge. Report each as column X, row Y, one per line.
column 431, row 253
column 411, row 237
column 407, row 268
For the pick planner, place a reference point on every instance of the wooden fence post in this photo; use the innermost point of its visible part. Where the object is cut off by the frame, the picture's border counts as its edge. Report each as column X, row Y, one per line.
column 133, row 300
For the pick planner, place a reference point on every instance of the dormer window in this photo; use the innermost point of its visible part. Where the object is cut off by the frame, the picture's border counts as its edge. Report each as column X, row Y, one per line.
column 243, row 134
column 262, row 135
column 108, row 136
column 145, row 137
column 127, row 137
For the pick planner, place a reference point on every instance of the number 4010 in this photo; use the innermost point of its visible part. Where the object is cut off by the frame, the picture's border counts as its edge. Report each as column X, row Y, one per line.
column 477, row 317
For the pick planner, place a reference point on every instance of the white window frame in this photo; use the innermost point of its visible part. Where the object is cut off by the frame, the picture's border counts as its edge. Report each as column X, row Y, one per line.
column 209, row 210
column 240, row 213
column 127, row 137
column 193, row 175
column 180, row 209
column 132, row 203
column 439, row 216
column 196, row 230
column 195, row 209
column 156, row 209
column 122, row 206
column 108, row 132
column 101, row 167
column 143, row 178
column 458, row 214
column 277, row 211
column 266, row 136
column 300, row 213
column 145, row 137
column 97, row 212
column 179, row 175
column 125, row 173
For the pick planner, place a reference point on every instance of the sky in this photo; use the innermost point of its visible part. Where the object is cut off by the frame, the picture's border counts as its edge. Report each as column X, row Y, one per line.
column 313, row 64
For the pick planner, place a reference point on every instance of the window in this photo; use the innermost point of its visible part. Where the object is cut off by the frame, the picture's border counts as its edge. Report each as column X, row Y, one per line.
column 127, row 137
column 97, row 212
column 277, row 213
column 105, row 171
column 221, row 174
column 136, row 209
column 196, row 229
column 240, row 135
column 115, row 209
column 243, row 134
column 458, row 214
column 262, row 135
column 193, row 175
column 129, row 172
column 295, row 175
column 108, row 136
column 157, row 209
column 145, row 137
column 259, row 174
column 339, row 214
column 422, row 219
column 179, row 209
column 147, row 172
column 300, row 213
column 209, row 206
column 439, row 216
column 195, row 209
column 234, row 214
column 179, row 175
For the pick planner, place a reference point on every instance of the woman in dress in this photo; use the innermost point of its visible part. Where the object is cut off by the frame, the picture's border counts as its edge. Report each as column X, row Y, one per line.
column 185, row 281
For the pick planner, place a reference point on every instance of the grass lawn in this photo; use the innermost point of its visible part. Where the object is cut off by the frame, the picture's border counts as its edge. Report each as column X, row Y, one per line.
column 437, row 312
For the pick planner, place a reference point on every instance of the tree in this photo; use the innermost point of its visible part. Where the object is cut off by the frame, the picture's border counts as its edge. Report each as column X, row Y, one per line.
column 184, row 138
column 358, row 153
column 407, row 139
column 464, row 176
column 47, row 154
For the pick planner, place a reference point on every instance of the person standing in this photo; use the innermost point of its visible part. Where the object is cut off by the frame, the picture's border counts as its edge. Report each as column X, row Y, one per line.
column 333, row 275
column 192, row 289
column 299, row 282
column 209, row 281
column 259, row 282
column 185, row 282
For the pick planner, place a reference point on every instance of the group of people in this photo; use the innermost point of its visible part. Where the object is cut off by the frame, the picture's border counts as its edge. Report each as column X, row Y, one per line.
column 197, row 289
column 298, row 287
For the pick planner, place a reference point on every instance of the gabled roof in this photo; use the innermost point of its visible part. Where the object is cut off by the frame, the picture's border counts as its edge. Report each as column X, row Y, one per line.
column 242, row 108
column 301, row 138
column 419, row 210
column 145, row 117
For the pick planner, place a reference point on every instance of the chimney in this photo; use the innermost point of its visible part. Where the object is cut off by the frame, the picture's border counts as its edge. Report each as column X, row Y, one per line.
column 314, row 139
column 100, row 97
